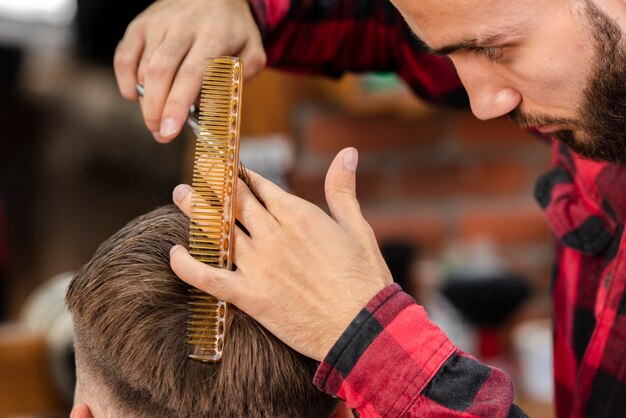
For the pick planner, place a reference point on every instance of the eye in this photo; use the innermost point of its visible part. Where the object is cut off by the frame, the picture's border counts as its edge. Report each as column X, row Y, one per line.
column 491, row 54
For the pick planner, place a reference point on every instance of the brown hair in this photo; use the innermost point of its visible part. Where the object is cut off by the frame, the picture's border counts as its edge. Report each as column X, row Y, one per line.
column 130, row 314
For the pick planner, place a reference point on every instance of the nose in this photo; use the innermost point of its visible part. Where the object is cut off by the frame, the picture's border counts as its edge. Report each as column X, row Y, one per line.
column 490, row 94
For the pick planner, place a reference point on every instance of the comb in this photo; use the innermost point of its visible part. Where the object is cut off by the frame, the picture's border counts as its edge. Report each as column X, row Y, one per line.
column 213, row 206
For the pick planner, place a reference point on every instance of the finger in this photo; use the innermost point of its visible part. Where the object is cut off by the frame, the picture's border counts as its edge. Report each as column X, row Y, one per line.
column 126, row 62
column 340, row 187
column 151, row 43
column 182, row 197
column 221, row 283
column 276, row 200
column 159, row 76
column 242, row 245
column 250, row 212
column 254, row 59
column 149, row 74
column 185, row 89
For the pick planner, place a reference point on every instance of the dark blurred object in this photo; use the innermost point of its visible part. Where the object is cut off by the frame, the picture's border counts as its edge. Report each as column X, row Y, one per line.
column 4, row 261
column 486, row 301
column 101, row 24
column 19, row 122
column 10, row 60
column 399, row 256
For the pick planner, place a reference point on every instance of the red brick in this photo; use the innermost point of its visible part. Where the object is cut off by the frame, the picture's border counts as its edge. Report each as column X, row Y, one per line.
column 462, row 178
column 327, row 134
column 309, row 185
column 507, row 224
column 370, row 186
column 425, row 230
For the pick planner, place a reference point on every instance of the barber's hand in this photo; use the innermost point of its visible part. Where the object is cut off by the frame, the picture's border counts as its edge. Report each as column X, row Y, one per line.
column 164, row 49
column 302, row 274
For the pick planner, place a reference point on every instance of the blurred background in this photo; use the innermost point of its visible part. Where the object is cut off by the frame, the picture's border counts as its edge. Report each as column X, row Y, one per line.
column 449, row 197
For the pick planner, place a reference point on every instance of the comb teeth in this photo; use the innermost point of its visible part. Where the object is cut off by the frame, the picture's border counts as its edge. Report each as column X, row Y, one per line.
column 212, row 213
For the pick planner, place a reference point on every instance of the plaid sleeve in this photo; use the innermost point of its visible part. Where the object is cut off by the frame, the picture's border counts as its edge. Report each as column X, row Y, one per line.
column 393, row 362
column 331, row 37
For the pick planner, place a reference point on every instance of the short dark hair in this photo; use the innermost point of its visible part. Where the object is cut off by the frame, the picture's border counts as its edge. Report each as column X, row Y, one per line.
column 130, row 313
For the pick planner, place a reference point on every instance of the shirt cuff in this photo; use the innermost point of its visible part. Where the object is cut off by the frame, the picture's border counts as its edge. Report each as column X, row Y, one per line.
column 386, row 356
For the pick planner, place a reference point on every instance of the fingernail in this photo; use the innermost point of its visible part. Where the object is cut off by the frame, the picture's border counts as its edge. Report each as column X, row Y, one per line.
column 174, row 249
column 158, row 137
column 168, row 127
column 180, row 192
column 350, row 159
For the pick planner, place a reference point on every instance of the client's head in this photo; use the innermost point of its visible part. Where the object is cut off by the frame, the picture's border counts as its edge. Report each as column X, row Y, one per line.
column 130, row 313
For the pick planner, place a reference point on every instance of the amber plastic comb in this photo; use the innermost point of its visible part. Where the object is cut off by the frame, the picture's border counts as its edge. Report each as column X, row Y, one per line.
column 213, row 205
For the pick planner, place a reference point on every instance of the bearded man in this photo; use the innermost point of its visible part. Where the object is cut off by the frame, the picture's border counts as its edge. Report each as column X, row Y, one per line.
column 558, row 67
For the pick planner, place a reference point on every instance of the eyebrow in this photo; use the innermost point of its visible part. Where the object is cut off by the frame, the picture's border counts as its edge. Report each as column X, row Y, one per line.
column 468, row 44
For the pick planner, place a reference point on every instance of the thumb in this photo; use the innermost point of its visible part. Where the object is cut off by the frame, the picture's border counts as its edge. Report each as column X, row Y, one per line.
column 340, row 187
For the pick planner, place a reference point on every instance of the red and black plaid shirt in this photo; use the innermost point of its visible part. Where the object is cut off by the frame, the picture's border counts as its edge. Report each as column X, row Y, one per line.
column 392, row 361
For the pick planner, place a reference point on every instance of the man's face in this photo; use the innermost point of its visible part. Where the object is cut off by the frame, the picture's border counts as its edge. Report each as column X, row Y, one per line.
column 558, row 66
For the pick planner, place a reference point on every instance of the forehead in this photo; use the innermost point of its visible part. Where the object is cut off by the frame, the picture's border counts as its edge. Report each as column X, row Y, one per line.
column 442, row 21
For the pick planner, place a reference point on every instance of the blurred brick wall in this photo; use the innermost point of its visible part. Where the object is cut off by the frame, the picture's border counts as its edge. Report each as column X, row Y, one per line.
column 425, row 176
column 434, row 180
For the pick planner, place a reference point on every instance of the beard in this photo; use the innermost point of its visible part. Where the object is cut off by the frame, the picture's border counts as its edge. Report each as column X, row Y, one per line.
column 599, row 131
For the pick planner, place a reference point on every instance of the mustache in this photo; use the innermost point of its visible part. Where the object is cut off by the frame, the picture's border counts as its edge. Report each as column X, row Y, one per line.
column 528, row 121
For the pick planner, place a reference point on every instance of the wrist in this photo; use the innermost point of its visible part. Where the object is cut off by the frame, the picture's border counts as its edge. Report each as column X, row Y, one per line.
column 358, row 336
column 391, row 336
column 339, row 323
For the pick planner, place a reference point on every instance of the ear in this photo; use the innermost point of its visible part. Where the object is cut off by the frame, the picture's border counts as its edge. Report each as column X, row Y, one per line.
column 81, row 411
column 343, row 411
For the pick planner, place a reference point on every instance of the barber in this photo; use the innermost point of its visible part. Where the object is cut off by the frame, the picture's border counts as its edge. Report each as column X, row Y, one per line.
column 319, row 282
